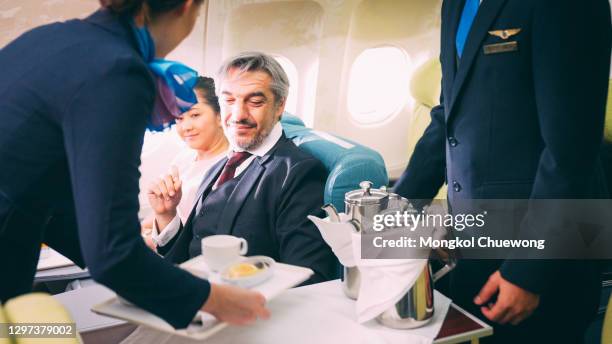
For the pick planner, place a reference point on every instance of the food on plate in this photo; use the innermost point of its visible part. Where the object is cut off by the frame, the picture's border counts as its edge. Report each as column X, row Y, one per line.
column 242, row 270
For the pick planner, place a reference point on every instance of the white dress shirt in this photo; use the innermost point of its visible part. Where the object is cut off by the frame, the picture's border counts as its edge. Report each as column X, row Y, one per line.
column 162, row 237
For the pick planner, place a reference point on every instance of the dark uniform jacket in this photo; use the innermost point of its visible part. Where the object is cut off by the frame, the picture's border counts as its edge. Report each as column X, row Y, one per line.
column 74, row 102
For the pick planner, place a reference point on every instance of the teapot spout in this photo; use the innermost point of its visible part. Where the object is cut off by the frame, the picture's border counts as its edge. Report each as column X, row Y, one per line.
column 331, row 212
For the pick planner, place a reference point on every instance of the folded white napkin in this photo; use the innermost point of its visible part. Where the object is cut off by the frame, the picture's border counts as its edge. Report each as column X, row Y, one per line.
column 383, row 281
column 338, row 235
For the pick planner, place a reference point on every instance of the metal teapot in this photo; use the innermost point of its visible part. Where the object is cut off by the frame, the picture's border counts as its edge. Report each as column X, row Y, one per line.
column 350, row 274
column 415, row 308
column 362, row 205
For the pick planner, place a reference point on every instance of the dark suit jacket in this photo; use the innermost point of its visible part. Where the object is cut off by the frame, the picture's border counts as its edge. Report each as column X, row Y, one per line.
column 74, row 101
column 268, row 208
column 520, row 124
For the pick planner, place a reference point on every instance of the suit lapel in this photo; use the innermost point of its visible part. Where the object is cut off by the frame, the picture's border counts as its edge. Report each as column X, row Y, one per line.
column 487, row 13
column 180, row 250
column 214, row 172
column 450, row 20
column 239, row 195
column 241, row 192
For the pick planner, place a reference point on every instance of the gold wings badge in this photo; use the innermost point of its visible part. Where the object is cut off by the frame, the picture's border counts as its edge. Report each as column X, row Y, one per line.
column 505, row 34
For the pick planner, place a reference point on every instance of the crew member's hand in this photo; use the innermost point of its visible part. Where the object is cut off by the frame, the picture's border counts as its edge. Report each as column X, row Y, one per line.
column 235, row 305
column 165, row 194
column 514, row 304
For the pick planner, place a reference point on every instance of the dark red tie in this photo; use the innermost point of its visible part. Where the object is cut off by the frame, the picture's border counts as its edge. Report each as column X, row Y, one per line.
column 230, row 167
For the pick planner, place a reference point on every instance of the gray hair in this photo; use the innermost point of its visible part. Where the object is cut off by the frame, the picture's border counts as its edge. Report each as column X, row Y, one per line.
column 259, row 62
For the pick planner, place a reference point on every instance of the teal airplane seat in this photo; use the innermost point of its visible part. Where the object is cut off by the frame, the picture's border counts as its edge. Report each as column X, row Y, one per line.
column 347, row 162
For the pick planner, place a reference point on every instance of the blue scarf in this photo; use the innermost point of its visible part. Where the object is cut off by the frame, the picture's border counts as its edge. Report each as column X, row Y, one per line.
column 174, row 82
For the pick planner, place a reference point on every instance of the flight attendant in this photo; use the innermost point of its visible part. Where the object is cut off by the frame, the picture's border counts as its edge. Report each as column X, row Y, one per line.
column 524, row 87
column 75, row 99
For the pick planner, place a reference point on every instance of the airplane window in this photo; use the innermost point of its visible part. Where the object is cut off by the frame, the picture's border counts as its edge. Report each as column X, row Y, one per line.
column 378, row 84
column 292, row 74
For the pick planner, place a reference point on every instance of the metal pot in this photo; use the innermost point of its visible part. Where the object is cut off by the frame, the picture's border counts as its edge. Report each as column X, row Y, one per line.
column 362, row 204
column 416, row 307
column 351, row 280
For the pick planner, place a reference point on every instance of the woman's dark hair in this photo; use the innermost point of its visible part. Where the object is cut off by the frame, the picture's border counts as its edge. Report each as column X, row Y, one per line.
column 132, row 6
column 205, row 86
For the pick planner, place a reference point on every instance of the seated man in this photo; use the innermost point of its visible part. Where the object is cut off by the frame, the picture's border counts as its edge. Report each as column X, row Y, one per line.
column 263, row 190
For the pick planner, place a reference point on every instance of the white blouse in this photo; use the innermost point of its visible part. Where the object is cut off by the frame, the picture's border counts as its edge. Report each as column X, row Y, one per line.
column 191, row 173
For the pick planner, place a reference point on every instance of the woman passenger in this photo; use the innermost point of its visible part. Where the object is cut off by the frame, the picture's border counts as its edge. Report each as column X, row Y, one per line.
column 200, row 128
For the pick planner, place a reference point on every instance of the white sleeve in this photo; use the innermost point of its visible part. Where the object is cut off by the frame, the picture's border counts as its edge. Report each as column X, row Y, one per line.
column 161, row 238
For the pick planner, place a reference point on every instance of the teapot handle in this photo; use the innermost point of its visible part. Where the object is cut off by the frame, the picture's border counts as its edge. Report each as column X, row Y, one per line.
column 448, row 257
column 444, row 270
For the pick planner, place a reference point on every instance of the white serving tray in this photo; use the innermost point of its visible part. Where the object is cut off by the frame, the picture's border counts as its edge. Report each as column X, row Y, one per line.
column 51, row 259
column 285, row 276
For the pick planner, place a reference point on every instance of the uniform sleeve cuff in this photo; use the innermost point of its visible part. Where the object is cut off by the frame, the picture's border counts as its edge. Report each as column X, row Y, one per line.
column 163, row 236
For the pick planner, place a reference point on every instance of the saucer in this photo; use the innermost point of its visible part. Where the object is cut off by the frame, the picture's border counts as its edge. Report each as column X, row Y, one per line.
column 249, row 271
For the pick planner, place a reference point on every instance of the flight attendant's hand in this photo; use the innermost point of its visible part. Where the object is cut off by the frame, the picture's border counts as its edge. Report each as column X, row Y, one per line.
column 235, row 305
column 514, row 304
column 164, row 196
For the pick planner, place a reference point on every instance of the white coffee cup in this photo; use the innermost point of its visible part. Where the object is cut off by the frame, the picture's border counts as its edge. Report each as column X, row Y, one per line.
column 221, row 250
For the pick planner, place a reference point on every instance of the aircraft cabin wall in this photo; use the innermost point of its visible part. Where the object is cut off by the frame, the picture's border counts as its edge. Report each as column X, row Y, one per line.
column 349, row 61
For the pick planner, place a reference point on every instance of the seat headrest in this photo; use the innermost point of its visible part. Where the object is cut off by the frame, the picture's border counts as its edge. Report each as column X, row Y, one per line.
column 608, row 123
column 425, row 83
column 288, row 118
column 39, row 308
column 3, row 320
column 347, row 162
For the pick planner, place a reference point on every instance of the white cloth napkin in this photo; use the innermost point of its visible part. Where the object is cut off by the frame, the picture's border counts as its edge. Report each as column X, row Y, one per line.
column 383, row 281
column 338, row 235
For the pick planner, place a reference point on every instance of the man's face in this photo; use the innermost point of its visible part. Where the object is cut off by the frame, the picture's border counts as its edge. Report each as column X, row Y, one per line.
column 248, row 108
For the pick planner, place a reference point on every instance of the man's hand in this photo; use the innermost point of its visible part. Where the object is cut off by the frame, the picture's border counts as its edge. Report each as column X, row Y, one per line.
column 164, row 195
column 513, row 304
column 234, row 305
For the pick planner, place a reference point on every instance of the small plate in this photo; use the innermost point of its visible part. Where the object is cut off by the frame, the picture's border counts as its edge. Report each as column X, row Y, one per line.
column 248, row 272
column 125, row 302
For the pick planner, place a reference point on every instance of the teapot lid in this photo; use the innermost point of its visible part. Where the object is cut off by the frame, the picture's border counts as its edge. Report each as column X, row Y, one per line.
column 366, row 194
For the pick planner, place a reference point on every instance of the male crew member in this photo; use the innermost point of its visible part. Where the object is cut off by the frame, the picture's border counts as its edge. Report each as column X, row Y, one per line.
column 521, row 117
column 267, row 186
